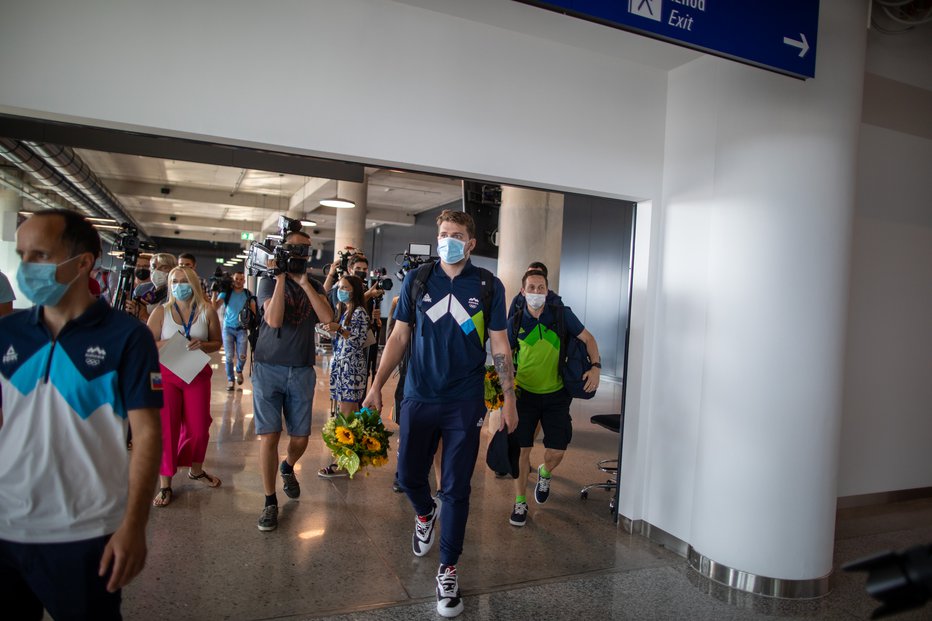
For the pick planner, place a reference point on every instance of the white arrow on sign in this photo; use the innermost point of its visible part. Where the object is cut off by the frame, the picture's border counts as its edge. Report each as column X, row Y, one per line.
column 803, row 45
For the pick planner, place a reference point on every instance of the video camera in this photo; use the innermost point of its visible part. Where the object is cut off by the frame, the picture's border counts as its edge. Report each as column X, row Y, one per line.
column 379, row 279
column 128, row 242
column 344, row 257
column 220, row 282
column 288, row 257
column 415, row 256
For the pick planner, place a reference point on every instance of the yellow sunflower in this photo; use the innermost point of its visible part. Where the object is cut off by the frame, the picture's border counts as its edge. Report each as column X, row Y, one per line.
column 344, row 436
column 371, row 444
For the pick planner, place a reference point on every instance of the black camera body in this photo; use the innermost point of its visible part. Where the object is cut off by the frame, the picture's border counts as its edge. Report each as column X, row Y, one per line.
column 288, row 257
column 344, row 257
column 220, row 282
column 411, row 259
column 380, row 280
column 291, row 258
column 128, row 242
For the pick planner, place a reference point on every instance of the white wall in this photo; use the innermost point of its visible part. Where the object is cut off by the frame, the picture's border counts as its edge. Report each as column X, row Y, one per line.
column 887, row 428
column 369, row 80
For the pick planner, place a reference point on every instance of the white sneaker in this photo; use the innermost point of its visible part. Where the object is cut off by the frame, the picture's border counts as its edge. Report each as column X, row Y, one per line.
column 423, row 538
column 449, row 602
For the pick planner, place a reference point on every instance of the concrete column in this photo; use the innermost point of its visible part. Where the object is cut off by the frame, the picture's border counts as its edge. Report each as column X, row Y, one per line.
column 530, row 228
column 11, row 202
column 351, row 223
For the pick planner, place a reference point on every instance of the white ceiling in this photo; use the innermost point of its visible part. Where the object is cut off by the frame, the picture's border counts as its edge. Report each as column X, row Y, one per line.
column 186, row 200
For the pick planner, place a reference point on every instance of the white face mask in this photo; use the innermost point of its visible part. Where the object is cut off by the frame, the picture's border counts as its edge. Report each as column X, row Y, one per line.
column 535, row 300
column 159, row 278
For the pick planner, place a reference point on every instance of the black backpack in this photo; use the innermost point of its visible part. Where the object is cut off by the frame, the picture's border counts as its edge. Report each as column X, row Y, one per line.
column 248, row 320
column 573, row 359
column 487, row 288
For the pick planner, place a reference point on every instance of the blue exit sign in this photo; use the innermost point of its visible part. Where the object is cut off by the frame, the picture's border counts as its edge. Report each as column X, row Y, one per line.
column 779, row 35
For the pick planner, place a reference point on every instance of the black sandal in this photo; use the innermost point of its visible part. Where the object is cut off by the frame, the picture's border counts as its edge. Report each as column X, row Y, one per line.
column 331, row 472
column 163, row 498
column 211, row 480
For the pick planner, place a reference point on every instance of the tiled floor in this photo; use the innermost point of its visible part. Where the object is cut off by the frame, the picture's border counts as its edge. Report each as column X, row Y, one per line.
column 342, row 551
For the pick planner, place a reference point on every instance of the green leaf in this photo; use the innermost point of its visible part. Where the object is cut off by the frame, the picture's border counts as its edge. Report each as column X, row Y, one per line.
column 350, row 463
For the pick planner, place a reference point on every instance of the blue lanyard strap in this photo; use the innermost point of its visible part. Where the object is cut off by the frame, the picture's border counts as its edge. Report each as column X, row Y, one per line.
column 187, row 326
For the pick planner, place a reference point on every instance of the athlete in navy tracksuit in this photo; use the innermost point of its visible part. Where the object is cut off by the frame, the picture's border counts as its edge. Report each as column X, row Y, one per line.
column 443, row 397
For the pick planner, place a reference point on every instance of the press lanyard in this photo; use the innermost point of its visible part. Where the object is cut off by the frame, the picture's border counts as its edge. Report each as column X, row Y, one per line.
column 187, row 326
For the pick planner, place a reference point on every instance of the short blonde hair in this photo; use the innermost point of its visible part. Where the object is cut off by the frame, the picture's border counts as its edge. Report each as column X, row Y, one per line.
column 458, row 217
column 199, row 299
column 162, row 258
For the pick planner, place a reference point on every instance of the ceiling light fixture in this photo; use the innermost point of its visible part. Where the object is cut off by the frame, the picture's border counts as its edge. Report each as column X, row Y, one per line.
column 308, row 223
column 337, row 202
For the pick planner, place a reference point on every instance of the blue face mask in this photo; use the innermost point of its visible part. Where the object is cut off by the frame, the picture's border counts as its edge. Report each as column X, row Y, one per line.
column 343, row 296
column 37, row 282
column 451, row 250
column 182, row 291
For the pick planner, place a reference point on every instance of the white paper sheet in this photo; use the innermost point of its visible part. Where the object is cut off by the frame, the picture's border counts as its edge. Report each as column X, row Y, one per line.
column 184, row 363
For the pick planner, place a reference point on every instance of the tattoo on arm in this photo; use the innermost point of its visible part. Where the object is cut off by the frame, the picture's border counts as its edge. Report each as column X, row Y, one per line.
column 506, row 373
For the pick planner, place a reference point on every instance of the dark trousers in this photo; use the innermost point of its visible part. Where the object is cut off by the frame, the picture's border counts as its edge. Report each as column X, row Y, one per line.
column 60, row 577
column 423, row 425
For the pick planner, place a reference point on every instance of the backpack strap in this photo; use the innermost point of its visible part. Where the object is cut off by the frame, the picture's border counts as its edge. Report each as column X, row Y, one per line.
column 560, row 325
column 416, row 292
column 486, row 291
column 516, row 320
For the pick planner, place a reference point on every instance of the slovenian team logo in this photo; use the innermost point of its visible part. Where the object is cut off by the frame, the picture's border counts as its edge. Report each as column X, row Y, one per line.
column 94, row 356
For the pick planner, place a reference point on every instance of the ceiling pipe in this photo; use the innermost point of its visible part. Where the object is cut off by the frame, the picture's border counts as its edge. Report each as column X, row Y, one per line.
column 69, row 164
column 27, row 161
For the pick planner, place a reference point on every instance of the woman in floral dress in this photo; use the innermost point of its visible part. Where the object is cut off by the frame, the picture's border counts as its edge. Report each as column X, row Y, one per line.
column 348, row 367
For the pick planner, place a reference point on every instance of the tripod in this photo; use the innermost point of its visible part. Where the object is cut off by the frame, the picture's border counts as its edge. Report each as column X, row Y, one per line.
column 124, row 288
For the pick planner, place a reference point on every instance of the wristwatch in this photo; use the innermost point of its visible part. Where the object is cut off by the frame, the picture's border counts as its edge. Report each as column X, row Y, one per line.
column 597, row 365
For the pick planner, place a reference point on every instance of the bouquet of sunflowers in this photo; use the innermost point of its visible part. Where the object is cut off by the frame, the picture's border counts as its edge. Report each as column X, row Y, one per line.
column 357, row 440
column 494, row 397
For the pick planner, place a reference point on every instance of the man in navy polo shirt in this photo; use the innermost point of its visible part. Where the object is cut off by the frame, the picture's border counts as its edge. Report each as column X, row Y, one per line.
column 444, row 390
column 73, row 371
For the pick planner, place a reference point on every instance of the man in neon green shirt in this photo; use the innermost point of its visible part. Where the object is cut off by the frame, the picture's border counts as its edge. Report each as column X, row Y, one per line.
column 534, row 332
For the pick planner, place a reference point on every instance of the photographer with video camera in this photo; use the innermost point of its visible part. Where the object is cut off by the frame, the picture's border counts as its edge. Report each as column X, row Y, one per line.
column 283, row 375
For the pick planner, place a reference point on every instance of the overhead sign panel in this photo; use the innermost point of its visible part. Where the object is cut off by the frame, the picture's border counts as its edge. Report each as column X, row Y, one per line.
column 779, row 35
